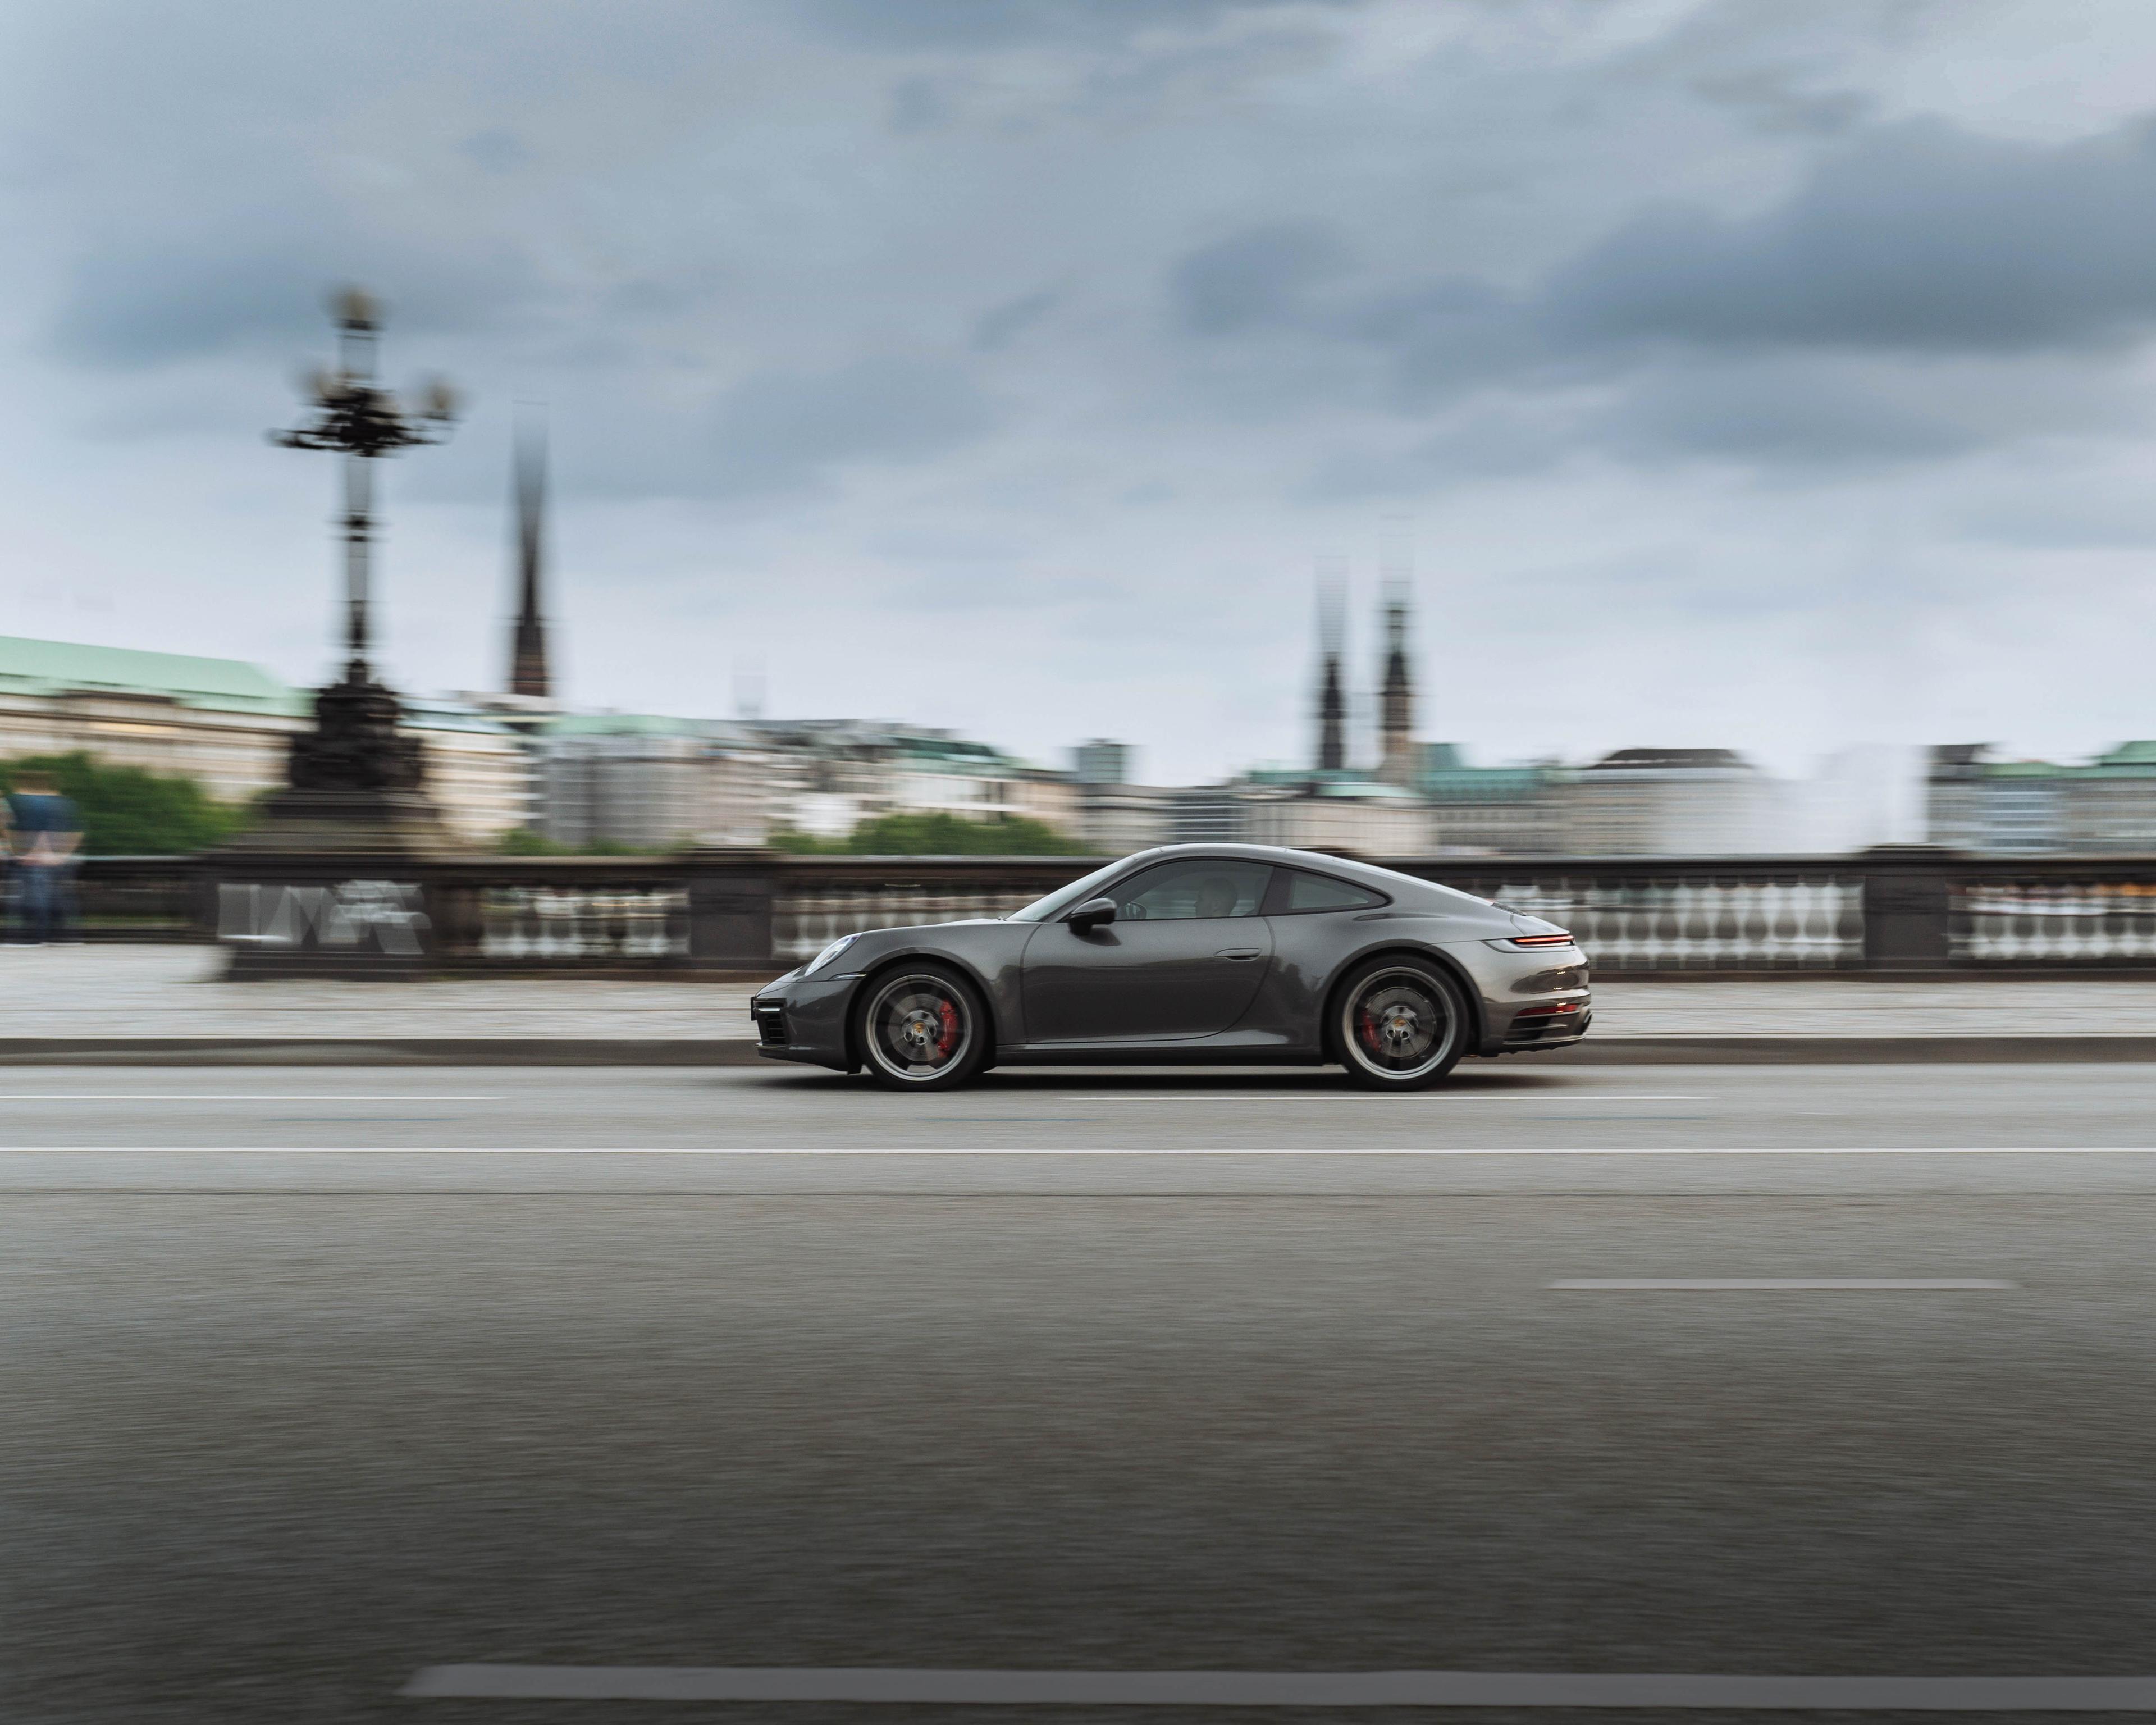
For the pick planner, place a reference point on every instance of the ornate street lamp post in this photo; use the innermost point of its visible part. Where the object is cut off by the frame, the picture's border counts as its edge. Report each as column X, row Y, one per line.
column 355, row 745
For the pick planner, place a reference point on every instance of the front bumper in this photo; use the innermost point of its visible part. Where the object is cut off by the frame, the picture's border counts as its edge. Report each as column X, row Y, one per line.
column 802, row 1018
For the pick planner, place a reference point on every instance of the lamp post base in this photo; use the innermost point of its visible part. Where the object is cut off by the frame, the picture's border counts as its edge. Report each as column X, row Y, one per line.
column 360, row 824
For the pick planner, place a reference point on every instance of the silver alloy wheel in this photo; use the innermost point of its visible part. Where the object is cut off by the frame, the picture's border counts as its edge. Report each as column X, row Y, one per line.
column 1398, row 1026
column 917, row 1028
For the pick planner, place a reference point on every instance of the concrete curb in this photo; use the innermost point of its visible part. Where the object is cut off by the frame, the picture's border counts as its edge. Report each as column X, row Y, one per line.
column 605, row 1051
column 373, row 1051
column 1850, row 1050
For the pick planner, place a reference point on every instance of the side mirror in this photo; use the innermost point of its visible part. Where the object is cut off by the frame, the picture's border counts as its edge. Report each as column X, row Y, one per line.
column 1091, row 915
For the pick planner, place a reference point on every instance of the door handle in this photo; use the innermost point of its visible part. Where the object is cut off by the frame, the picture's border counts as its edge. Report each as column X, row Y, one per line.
column 1238, row 952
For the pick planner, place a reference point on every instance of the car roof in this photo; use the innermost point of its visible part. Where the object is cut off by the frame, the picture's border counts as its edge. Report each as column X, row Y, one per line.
column 1320, row 861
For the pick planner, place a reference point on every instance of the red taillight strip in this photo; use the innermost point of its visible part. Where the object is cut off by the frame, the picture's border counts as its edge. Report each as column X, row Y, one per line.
column 1542, row 940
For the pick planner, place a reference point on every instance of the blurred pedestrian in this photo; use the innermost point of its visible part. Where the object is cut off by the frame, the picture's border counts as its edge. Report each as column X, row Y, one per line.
column 48, row 831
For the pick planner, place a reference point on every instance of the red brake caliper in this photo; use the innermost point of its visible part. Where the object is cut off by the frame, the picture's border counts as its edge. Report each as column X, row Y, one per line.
column 1366, row 1022
column 949, row 1040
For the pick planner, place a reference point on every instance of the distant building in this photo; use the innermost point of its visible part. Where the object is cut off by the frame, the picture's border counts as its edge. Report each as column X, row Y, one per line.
column 1396, row 747
column 2035, row 807
column 1208, row 814
column 225, row 724
column 1115, row 818
column 529, row 675
column 655, row 783
column 2110, row 804
column 1331, row 811
column 1673, row 803
column 1100, row 761
column 847, row 771
column 2004, row 807
column 1332, row 694
column 1493, row 811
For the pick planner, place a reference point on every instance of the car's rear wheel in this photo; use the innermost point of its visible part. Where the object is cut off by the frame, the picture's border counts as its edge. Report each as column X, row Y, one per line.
column 1399, row 1024
column 921, row 1027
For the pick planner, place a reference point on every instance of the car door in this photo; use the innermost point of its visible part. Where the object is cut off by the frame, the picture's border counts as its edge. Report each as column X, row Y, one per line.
column 1184, row 957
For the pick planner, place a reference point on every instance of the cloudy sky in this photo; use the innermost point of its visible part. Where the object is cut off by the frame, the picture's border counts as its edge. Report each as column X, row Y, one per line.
column 1744, row 373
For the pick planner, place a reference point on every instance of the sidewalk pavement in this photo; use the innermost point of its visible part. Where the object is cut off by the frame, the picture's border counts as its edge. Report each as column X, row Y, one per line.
column 167, row 1004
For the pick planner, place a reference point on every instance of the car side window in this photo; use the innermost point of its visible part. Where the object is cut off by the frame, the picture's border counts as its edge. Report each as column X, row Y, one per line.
column 1322, row 892
column 1193, row 887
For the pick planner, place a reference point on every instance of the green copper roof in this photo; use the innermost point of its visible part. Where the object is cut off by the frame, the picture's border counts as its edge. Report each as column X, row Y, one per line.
column 1486, row 784
column 231, row 686
column 627, row 725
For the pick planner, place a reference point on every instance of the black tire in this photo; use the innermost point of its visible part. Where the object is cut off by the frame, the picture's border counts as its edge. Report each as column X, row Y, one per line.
column 1399, row 1024
column 920, row 1027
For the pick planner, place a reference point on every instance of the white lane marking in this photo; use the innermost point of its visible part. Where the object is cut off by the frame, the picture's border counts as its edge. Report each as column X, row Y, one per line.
column 1296, row 1689
column 1446, row 1098
column 1785, row 1284
column 196, row 1096
column 891, row 1152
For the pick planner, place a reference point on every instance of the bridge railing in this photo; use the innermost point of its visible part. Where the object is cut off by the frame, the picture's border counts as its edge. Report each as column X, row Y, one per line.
column 1909, row 910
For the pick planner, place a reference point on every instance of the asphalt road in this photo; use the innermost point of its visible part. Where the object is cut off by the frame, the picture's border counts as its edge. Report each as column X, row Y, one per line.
column 316, row 1380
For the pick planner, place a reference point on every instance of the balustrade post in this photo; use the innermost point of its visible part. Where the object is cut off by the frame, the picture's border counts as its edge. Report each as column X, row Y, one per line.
column 730, row 895
column 1908, row 908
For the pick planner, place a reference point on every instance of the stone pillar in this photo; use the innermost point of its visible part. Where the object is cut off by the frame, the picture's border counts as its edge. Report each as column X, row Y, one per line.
column 730, row 897
column 1908, row 910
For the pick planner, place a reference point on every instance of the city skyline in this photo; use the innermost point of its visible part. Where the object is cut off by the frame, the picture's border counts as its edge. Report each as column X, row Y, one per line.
column 1692, row 422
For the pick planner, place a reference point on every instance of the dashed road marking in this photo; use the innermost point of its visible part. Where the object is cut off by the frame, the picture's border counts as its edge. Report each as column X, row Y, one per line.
column 1449, row 1099
column 905, row 1688
column 1785, row 1284
column 191, row 1095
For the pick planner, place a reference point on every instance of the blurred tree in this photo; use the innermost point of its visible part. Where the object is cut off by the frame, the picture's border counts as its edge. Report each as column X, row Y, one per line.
column 935, row 835
column 128, row 811
column 525, row 842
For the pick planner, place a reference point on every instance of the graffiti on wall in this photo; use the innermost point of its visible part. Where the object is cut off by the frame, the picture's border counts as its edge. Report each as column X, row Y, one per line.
column 384, row 916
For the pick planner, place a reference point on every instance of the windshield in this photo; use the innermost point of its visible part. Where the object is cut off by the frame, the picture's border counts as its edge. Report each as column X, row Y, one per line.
column 1046, row 910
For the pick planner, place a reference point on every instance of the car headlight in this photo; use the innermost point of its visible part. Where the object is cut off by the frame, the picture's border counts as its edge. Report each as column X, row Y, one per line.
column 828, row 954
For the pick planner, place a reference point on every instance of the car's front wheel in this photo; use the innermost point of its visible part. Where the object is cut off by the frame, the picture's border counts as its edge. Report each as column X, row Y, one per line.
column 1399, row 1024
column 921, row 1027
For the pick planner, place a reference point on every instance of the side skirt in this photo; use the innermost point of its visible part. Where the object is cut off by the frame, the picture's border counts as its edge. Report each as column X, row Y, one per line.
column 1155, row 1054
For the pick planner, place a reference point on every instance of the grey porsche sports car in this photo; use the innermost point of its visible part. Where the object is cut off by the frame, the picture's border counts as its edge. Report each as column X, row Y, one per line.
column 1192, row 954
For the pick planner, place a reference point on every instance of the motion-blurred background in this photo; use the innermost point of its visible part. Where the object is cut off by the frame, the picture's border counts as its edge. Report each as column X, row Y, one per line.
column 1614, row 429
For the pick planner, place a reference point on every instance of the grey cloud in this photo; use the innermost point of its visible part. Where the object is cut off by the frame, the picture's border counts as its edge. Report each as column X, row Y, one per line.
column 496, row 150
column 146, row 304
column 1446, row 335
column 131, row 307
column 1780, row 415
column 993, row 24
column 1294, row 282
column 917, row 104
column 2054, row 509
column 1000, row 325
column 1920, row 237
column 1797, row 340
column 783, row 431
column 1777, row 104
column 1259, row 276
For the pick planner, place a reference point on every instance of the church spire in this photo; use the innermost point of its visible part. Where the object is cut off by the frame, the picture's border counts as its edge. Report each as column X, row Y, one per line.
column 528, row 673
column 1396, row 745
column 1332, row 697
